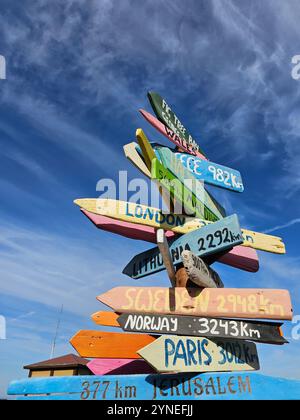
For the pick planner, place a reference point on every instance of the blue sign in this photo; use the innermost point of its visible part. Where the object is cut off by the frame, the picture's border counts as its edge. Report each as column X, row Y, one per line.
column 204, row 170
column 214, row 238
column 206, row 386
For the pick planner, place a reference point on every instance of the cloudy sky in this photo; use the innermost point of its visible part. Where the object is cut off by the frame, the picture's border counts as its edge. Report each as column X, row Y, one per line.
column 77, row 72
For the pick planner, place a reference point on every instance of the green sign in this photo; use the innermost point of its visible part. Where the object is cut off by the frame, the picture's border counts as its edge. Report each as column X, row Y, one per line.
column 165, row 114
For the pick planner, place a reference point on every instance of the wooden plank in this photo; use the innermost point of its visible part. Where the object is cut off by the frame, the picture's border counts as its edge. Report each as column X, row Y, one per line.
column 190, row 204
column 98, row 344
column 179, row 172
column 205, row 386
column 239, row 257
column 261, row 332
column 199, row 272
column 119, row 367
column 211, row 173
column 192, row 184
column 228, row 303
column 150, row 216
column 213, row 238
column 189, row 354
column 170, row 135
column 147, row 150
column 168, row 117
column 129, row 230
column 132, row 154
column 108, row 319
column 164, row 250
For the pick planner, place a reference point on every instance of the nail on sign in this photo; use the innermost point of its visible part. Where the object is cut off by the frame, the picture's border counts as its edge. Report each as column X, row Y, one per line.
column 228, row 303
column 190, row 354
column 213, row 238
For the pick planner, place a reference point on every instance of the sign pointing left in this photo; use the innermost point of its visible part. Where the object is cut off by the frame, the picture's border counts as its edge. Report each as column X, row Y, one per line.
column 213, row 238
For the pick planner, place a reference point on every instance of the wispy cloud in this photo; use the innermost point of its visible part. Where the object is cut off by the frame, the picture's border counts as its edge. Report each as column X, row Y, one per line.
column 284, row 226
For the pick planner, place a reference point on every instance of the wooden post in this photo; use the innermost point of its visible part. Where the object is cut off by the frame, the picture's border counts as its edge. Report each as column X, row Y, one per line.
column 166, row 256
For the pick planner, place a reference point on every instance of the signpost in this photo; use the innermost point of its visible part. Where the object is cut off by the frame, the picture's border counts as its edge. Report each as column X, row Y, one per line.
column 189, row 354
column 203, row 170
column 181, row 224
column 98, row 344
column 199, row 272
column 261, row 332
column 167, row 117
column 227, row 303
column 164, row 250
column 213, row 238
column 119, row 367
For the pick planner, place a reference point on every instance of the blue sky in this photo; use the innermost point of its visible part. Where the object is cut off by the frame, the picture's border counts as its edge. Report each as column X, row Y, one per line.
column 76, row 75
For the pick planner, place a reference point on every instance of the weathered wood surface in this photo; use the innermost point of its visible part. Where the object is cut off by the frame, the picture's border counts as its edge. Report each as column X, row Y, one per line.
column 228, row 303
column 180, row 224
column 188, row 202
column 261, row 332
column 165, row 114
column 105, row 318
column 190, row 354
column 164, row 250
column 132, row 154
column 146, row 148
column 219, row 236
column 170, row 135
column 199, row 272
column 206, row 386
column 174, row 165
column 240, row 257
column 100, row 344
column 119, row 367
column 211, row 173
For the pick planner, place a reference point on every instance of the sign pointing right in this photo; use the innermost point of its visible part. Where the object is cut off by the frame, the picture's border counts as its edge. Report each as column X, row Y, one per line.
column 190, row 354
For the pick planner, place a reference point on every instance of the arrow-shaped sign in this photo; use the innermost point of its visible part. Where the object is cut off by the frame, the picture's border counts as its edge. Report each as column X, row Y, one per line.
column 213, row 238
column 203, row 170
column 119, row 367
column 227, row 303
column 180, row 183
column 241, row 257
column 98, row 344
column 167, row 117
column 261, row 332
column 150, row 216
column 199, row 272
column 189, row 354
column 185, row 387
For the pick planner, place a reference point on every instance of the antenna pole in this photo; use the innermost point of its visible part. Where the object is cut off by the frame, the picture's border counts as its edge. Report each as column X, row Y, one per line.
column 56, row 332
